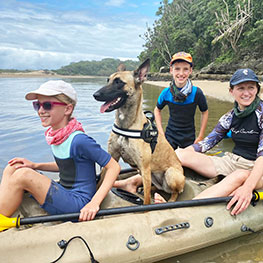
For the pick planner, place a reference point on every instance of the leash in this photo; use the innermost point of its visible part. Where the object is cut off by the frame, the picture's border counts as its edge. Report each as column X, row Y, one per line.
column 149, row 133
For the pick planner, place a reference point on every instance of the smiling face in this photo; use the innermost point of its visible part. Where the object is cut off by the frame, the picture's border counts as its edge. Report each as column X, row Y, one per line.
column 180, row 72
column 57, row 117
column 244, row 93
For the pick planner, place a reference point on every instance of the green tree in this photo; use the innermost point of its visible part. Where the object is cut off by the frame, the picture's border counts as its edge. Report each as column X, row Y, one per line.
column 210, row 30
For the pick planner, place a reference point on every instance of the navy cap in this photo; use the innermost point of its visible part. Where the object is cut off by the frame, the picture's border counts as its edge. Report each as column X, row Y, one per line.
column 243, row 75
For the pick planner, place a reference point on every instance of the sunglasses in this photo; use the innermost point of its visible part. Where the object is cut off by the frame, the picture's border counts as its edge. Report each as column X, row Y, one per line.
column 47, row 105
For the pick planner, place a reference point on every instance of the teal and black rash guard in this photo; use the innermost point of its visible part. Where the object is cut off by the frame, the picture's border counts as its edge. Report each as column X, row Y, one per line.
column 180, row 130
column 247, row 134
column 76, row 158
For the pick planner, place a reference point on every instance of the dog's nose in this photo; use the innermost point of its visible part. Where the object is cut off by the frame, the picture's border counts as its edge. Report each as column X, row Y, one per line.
column 96, row 95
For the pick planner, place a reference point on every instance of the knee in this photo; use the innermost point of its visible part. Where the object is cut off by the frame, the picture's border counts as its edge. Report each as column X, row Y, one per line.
column 185, row 155
column 16, row 176
column 182, row 155
column 9, row 170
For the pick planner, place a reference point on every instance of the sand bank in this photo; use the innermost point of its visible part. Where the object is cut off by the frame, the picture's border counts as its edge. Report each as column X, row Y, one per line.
column 211, row 88
column 42, row 74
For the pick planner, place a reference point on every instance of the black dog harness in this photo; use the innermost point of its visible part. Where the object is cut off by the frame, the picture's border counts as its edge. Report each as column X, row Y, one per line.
column 149, row 133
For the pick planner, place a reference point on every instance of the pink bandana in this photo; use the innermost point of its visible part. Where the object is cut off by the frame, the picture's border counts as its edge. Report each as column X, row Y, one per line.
column 60, row 135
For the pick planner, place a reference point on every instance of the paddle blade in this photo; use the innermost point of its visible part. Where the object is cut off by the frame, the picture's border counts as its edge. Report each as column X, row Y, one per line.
column 7, row 222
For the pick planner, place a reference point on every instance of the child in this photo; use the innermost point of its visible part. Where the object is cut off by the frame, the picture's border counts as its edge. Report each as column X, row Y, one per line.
column 182, row 98
column 75, row 156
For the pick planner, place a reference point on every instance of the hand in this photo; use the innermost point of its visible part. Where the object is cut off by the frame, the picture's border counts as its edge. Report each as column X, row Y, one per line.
column 241, row 198
column 21, row 162
column 89, row 211
column 198, row 139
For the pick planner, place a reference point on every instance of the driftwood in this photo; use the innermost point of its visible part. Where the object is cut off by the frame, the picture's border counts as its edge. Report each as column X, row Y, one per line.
column 230, row 29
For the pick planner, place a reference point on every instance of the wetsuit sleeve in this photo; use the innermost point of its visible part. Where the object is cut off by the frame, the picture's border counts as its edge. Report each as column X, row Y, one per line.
column 201, row 100
column 260, row 145
column 161, row 102
column 260, row 124
column 217, row 134
column 87, row 148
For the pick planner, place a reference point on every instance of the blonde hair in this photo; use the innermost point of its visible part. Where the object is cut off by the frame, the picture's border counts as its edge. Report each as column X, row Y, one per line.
column 64, row 98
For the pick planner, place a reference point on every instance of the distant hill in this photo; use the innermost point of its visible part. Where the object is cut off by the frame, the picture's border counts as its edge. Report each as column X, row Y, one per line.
column 105, row 67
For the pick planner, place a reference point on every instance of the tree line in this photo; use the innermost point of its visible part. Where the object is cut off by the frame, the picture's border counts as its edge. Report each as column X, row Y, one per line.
column 221, row 31
column 105, row 67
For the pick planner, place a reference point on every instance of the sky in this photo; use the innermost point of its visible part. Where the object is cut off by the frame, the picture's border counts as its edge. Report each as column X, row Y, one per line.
column 50, row 34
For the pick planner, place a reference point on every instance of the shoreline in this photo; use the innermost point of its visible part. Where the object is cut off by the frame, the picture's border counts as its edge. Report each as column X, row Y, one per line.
column 40, row 74
column 211, row 88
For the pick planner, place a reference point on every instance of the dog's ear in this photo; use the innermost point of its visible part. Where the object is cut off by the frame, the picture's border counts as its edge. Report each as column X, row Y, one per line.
column 121, row 67
column 141, row 72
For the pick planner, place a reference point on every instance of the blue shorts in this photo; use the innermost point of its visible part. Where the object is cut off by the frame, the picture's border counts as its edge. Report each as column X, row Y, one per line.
column 60, row 200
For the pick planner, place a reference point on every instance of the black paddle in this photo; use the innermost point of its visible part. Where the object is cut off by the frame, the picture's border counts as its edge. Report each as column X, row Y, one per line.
column 6, row 222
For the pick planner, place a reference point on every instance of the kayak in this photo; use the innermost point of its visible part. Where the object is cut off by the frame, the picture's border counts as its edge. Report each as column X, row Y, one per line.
column 127, row 231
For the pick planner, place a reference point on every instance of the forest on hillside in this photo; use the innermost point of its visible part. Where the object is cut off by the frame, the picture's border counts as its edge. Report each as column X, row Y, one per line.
column 104, row 67
column 220, row 31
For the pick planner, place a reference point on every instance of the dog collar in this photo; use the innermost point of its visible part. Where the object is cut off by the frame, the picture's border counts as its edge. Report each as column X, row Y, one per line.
column 135, row 134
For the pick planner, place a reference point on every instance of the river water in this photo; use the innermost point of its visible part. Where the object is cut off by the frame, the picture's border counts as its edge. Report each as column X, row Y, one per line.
column 22, row 135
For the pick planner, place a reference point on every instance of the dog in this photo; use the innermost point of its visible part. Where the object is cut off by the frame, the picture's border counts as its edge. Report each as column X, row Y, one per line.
column 124, row 94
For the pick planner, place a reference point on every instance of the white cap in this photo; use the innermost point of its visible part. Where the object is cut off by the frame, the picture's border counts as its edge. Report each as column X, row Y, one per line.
column 52, row 88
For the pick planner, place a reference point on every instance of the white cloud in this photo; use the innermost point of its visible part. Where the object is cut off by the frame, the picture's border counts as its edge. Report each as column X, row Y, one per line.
column 115, row 2
column 40, row 38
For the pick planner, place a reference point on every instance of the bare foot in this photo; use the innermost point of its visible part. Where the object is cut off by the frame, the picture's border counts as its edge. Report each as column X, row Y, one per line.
column 158, row 199
column 130, row 184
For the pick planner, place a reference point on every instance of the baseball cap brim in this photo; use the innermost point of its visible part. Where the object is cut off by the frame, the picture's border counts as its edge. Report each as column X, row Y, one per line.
column 181, row 58
column 33, row 94
column 244, row 80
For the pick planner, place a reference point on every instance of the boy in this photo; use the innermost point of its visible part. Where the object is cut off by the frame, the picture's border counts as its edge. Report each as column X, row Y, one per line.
column 182, row 99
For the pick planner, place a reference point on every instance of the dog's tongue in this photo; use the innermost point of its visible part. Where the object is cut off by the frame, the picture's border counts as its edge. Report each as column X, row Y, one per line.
column 105, row 106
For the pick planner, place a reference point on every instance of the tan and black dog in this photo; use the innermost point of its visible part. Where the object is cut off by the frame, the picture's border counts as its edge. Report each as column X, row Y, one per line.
column 124, row 94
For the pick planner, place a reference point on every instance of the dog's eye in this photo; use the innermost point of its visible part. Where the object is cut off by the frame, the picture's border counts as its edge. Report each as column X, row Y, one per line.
column 119, row 82
column 108, row 80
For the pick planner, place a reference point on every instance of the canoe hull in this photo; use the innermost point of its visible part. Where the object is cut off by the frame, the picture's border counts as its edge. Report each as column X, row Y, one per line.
column 108, row 237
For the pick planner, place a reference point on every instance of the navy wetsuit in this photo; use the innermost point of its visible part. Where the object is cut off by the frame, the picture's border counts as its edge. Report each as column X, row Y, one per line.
column 180, row 130
column 76, row 158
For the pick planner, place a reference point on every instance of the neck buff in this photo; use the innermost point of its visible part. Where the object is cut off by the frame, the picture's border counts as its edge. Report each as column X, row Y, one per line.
column 58, row 136
column 181, row 95
column 248, row 110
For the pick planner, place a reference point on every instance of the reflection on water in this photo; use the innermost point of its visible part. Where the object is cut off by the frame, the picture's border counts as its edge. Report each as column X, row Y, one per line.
column 21, row 134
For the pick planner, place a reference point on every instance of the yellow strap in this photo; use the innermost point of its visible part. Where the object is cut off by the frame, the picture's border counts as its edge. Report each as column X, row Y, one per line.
column 212, row 154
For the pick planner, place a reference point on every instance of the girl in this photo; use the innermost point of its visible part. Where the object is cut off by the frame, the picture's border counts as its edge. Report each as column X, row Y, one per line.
column 75, row 155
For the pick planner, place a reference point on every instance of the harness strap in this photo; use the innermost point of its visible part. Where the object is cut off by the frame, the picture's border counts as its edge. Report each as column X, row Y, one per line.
column 135, row 134
column 149, row 133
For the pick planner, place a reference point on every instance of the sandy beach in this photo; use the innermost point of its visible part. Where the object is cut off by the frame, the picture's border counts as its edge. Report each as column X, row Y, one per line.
column 42, row 74
column 212, row 88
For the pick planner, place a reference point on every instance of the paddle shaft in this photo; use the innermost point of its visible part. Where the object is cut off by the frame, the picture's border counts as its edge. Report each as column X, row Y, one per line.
column 127, row 209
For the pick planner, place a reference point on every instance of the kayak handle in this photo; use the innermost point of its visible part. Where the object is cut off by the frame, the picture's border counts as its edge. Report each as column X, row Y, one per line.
column 164, row 229
column 132, row 243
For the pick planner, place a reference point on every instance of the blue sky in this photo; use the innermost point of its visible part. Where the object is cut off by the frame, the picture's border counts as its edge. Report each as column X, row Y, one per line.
column 52, row 33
